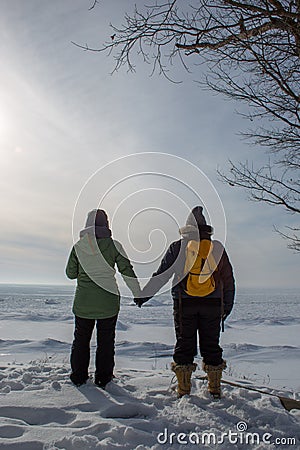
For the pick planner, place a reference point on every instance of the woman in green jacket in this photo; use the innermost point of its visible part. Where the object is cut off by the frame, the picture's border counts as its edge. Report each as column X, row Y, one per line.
column 97, row 299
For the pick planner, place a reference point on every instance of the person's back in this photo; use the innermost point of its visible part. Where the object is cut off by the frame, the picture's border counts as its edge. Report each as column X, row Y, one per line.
column 92, row 262
column 195, row 313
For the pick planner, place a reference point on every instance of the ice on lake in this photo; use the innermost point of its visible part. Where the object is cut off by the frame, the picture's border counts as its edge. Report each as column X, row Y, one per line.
column 260, row 342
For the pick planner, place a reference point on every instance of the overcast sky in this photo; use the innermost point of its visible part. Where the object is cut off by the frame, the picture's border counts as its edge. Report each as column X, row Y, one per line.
column 63, row 117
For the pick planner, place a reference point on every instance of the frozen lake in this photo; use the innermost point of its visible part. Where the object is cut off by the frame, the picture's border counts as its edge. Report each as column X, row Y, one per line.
column 260, row 342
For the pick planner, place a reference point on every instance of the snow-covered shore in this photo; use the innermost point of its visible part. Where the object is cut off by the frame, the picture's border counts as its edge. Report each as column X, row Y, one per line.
column 41, row 409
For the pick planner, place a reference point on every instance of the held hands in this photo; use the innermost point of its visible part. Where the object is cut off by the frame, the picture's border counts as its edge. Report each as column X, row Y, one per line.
column 140, row 301
column 139, row 298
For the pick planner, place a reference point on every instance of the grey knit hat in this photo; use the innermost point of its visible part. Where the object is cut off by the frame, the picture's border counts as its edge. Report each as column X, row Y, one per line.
column 97, row 218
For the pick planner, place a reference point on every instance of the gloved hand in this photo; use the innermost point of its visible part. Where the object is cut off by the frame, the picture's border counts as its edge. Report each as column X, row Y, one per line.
column 140, row 301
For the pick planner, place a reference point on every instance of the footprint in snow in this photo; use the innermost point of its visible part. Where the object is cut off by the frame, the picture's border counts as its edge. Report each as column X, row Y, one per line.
column 37, row 416
column 127, row 411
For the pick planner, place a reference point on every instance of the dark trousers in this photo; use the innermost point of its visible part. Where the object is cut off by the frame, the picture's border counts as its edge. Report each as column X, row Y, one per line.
column 80, row 353
column 200, row 318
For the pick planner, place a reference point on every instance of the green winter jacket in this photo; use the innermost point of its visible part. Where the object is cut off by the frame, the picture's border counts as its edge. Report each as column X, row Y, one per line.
column 92, row 261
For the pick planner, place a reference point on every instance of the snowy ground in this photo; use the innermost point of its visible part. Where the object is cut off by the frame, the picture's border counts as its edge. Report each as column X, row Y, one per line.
column 41, row 409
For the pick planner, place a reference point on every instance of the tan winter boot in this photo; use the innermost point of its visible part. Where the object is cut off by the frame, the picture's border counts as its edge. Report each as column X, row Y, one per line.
column 214, row 375
column 183, row 373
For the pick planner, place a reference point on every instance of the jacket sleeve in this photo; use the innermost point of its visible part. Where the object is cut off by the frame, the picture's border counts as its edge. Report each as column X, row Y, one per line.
column 72, row 265
column 228, row 282
column 164, row 272
column 126, row 270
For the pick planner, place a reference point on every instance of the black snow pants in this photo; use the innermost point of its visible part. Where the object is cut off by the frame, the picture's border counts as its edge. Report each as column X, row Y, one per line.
column 105, row 352
column 200, row 318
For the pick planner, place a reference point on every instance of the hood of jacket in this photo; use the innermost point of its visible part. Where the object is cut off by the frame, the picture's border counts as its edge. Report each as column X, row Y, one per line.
column 192, row 232
column 93, row 240
column 96, row 231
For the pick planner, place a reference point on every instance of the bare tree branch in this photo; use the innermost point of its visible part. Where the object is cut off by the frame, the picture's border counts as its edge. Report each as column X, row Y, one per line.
column 93, row 5
column 249, row 51
column 292, row 237
column 264, row 185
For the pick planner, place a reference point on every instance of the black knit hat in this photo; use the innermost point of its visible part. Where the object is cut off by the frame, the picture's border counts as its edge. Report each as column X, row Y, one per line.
column 196, row 216
column 197, row 219
column 97, row 218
